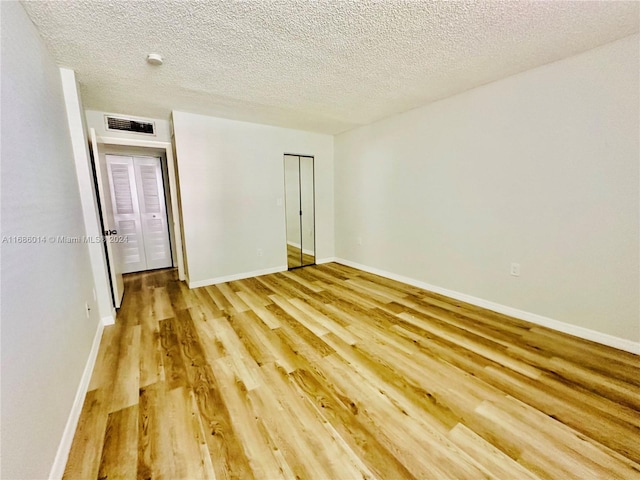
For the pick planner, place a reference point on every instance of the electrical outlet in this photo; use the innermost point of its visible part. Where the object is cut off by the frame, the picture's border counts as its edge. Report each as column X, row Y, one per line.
column 259, row 252
column 515, row 269
column 87, row 309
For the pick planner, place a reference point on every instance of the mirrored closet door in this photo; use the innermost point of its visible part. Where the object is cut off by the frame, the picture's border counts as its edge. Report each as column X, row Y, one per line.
column 300, row 210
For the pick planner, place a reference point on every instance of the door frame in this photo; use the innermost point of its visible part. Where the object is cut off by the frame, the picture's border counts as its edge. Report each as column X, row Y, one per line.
column 102, row 185
column 174, row 216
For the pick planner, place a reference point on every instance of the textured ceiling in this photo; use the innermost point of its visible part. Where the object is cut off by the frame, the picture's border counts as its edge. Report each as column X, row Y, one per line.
column 326, row 66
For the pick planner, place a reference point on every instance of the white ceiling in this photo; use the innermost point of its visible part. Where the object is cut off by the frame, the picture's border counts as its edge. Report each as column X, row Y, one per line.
column 324, row 65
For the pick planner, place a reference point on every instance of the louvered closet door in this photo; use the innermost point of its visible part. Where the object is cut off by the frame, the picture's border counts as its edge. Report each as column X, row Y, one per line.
column 126, row 213
column 153, row 215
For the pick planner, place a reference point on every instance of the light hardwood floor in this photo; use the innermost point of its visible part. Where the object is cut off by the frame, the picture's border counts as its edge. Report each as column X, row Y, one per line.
column 331, row 373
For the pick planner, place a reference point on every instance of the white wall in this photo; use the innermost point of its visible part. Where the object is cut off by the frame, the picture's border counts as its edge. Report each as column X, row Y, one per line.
column 95, row 119
column 46, row 337
column 231, row 177
column 541, row 168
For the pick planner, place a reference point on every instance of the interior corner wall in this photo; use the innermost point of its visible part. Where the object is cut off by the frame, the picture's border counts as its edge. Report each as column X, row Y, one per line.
column 541, row 169
column 232, row 194
column 46, row 336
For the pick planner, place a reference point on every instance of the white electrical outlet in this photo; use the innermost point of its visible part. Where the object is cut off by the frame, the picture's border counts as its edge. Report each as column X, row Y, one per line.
column 515, row 269
column 259, row 252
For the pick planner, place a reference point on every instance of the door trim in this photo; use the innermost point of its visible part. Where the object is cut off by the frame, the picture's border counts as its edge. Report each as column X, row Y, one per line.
column 115, row 276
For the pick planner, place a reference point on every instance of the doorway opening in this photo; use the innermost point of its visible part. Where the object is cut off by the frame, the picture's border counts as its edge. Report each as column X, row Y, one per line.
column 137, row 190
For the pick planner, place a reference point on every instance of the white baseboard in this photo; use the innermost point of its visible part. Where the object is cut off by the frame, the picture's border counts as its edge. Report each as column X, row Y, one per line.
column 326, row 260
column 62, row 455
column 581, row 332
column 109, row 320
column 237, row 276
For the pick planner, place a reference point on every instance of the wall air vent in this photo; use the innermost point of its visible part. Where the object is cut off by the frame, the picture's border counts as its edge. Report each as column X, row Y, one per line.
column 129, row 125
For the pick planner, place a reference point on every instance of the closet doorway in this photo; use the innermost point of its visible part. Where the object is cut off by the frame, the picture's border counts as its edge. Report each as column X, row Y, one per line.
column 300, row 210
column 99, row 147
column 139, row 212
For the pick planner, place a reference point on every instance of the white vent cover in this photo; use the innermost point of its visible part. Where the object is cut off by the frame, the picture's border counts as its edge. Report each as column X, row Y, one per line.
column 129, row 125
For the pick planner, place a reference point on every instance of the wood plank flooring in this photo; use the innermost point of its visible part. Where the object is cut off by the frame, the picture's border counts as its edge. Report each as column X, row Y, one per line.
column 332, row 373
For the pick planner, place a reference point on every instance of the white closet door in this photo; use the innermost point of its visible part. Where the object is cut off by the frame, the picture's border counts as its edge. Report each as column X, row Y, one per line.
column 126, row 213
column 153, row 214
